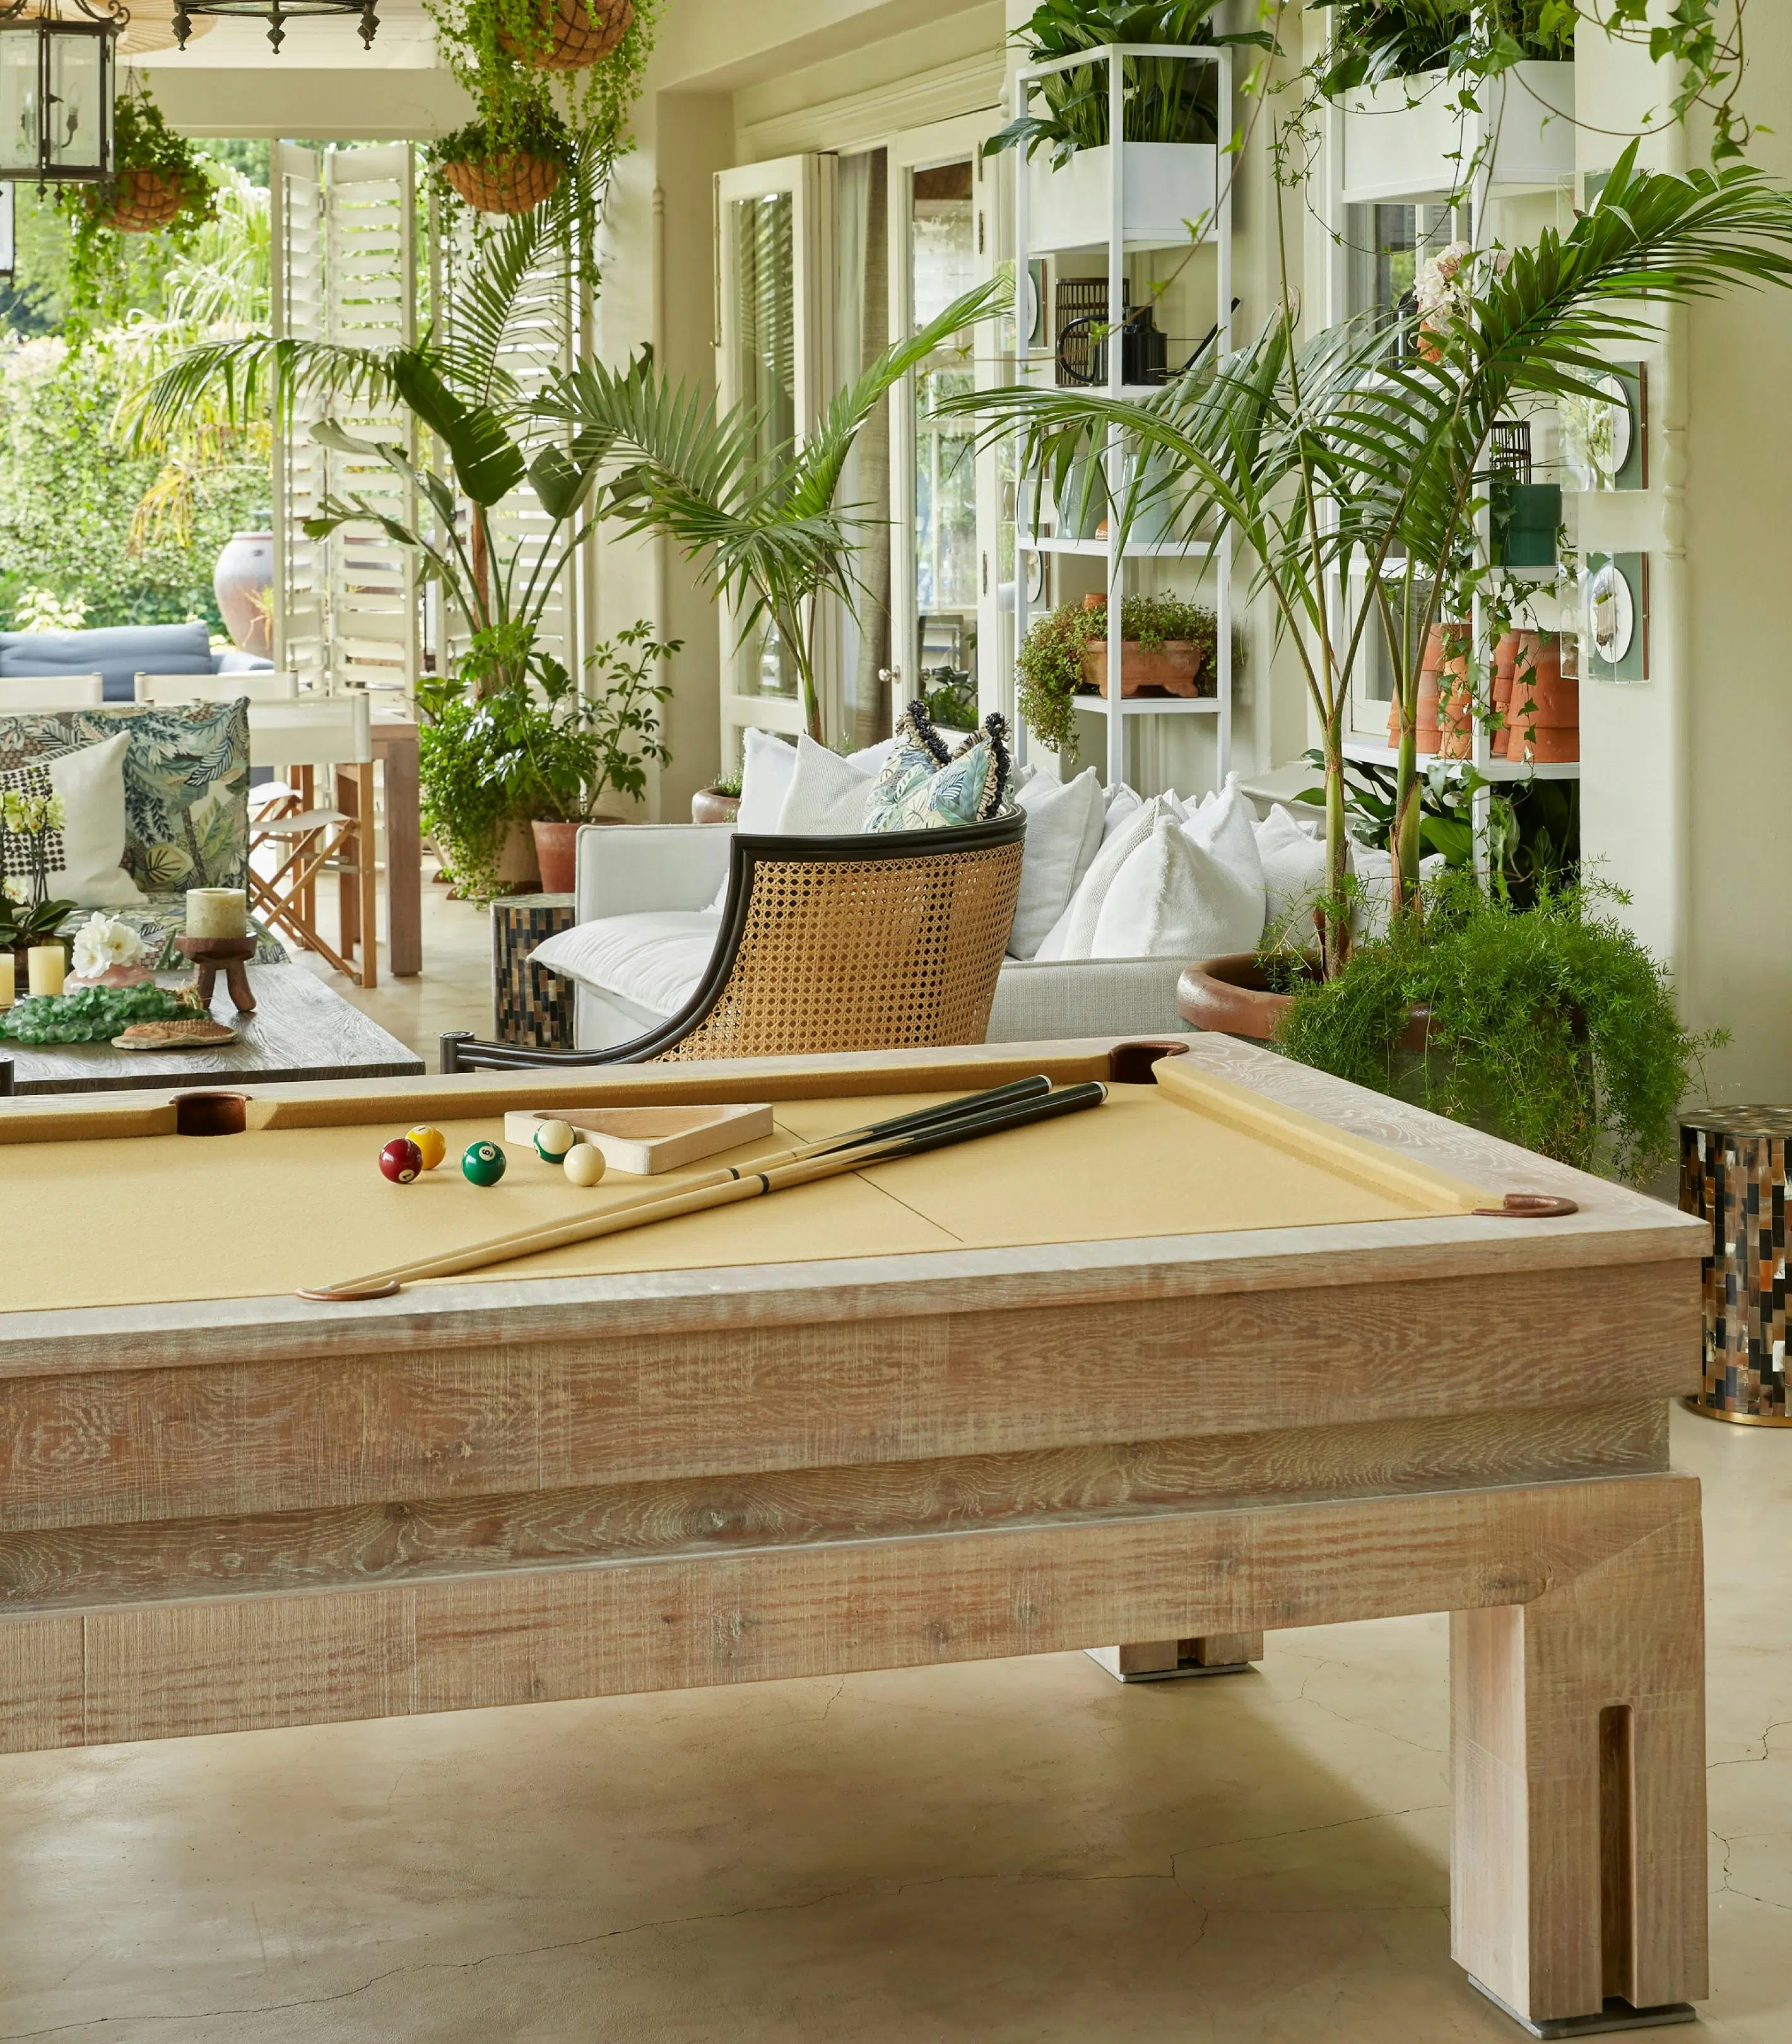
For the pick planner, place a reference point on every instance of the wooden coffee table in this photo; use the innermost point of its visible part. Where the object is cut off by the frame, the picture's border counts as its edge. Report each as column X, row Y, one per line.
column 300, row 1029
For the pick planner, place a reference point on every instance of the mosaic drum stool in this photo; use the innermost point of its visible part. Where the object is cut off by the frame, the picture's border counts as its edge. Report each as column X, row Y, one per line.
column 529, row 1007
column 1733, row 1174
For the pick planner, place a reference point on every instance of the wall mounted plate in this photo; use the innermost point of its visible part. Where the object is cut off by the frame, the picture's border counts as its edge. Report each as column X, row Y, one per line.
column 1615, row 617
column 1607, row 439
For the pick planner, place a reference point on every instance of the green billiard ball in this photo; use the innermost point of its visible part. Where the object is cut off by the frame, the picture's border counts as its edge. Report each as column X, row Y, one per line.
column 482, row 1163
column 552, row 1141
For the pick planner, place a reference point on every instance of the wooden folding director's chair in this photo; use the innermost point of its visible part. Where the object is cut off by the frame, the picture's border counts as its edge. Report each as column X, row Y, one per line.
column 294, row 736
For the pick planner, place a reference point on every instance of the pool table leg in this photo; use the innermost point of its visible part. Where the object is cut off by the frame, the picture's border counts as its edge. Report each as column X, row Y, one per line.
column 1162, row 1660
column 1577, row 1845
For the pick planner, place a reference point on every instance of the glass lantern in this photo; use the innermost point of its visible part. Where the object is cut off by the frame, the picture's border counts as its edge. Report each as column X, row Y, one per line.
column 57, row 77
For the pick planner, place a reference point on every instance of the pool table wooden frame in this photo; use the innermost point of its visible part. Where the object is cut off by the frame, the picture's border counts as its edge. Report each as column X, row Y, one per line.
column 244, row 1513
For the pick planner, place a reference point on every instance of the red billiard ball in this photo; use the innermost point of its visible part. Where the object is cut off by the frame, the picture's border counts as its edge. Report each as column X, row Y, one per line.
column 401, row 1160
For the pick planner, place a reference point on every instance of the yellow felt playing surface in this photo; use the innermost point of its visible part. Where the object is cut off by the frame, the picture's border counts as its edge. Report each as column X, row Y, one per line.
column 144, row 1220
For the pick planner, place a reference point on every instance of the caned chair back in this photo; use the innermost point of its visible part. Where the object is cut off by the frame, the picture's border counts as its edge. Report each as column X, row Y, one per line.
column 21, row 693
column 874, row 943
column 311, row 731
column 172, row 690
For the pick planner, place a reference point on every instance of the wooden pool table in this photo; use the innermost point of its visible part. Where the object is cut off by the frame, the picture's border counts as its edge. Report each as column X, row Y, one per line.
column 1233, row 1351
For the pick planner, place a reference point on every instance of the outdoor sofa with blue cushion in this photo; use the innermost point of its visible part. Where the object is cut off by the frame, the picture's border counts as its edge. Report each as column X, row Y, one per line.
column 118, row 653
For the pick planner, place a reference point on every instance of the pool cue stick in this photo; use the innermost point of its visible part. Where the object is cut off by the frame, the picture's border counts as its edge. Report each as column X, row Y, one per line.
column 1036, row 1087
column 752, row 1184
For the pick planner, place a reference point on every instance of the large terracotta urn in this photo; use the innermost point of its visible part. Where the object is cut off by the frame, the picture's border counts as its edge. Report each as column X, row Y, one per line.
column 241, row 581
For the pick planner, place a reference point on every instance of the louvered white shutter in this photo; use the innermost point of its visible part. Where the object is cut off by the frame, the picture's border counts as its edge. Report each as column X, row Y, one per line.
column 296, row 221
column 371, row 298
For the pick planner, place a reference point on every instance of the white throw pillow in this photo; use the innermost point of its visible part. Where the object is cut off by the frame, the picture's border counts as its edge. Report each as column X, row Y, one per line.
column 1225, row 824
column 1122, row 802
column 826, row 797
column 870, row 759
column 1073, row 931
column 1174, row 898
column 1064, row 835
column 653, row 959
column 87, row 854
column 1293, row 866
column 767, row 766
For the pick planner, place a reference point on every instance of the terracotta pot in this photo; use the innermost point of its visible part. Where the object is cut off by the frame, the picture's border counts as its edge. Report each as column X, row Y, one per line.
column 514, row 182
column 114, row 975
column 584, row 32
column 1427, row 731
column 141, row 202
column 710, row 806
column 555, row 852
column 1232, row 996
column 245, row 572
column 1169, row 669
column 519, row 871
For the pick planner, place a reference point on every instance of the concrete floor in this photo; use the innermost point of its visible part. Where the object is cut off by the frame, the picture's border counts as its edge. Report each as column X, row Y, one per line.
column 1019, row 1850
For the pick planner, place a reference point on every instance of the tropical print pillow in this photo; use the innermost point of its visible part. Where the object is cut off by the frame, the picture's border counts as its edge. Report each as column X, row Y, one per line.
column 186, row 784
column 931, row 792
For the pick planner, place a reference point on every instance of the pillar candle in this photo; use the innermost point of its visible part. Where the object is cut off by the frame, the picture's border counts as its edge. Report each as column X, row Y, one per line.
column 8, row 967
column 47, row 964
column 217, row 911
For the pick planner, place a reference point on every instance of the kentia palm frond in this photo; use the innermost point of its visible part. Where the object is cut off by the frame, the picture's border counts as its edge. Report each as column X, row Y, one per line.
column 248, row 376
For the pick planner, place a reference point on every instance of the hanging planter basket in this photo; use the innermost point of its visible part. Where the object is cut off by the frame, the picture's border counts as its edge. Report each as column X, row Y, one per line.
column 512, row 181
column 584, row 32
column 142, row 202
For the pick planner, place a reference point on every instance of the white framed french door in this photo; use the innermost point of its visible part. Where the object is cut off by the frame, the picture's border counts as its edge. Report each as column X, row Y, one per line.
column 773, row 231
column 946, row 568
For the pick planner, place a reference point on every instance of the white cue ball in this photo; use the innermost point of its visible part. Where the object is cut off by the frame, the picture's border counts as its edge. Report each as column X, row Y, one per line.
column 584, row 1164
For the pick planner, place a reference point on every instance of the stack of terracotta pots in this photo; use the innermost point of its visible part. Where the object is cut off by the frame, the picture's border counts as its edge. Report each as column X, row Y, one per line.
column 1445, row 720
column 1542, row 707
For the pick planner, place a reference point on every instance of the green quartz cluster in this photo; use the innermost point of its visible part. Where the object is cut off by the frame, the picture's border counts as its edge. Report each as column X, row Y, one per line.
column 91, row 1015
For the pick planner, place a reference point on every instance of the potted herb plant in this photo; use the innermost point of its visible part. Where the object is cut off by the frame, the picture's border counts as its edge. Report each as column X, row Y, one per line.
column 1168, row 641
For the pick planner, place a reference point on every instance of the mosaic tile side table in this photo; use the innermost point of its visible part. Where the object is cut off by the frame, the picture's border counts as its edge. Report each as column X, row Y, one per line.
column 1733, row 1174
column 530, row 1008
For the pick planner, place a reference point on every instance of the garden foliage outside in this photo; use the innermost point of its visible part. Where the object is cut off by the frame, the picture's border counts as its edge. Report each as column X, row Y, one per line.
column 72, row 524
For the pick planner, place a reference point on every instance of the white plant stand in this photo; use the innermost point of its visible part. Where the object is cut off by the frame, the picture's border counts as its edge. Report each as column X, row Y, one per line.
column 1156, row 194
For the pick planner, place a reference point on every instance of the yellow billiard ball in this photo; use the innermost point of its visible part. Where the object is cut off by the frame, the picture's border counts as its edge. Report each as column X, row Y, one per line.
column 584, row 1164
column 433, row 1144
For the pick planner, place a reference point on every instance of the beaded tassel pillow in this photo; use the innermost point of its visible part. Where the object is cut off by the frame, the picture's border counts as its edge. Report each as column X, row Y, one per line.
column 922, row 788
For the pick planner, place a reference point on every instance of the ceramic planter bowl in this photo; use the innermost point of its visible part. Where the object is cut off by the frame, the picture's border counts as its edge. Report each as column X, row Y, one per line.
column 1232, row 996
column 240, row 582
column 710, row 806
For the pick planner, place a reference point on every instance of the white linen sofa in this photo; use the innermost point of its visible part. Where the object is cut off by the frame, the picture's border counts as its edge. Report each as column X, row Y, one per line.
column 666, row 875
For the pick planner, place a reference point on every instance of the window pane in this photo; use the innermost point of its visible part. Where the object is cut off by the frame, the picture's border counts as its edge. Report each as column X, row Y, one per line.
column 944, row 265
column 764, row 366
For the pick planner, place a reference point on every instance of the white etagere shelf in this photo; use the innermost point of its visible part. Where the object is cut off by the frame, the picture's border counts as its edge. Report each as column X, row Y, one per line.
column 1125, row 196
column 1405, row 143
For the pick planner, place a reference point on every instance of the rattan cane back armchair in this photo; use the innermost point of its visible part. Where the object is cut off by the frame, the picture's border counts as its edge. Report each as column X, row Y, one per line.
column 872, row 942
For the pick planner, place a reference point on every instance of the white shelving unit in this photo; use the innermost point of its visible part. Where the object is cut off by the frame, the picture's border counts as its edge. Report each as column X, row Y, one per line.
column 1366, row 158
column 1143, row 184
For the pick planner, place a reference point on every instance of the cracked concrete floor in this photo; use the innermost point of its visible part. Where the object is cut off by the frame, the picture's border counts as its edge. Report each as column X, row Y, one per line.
column 1019, row 1850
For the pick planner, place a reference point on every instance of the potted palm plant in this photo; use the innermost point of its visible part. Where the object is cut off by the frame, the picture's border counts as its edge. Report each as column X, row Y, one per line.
column 763, row 528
